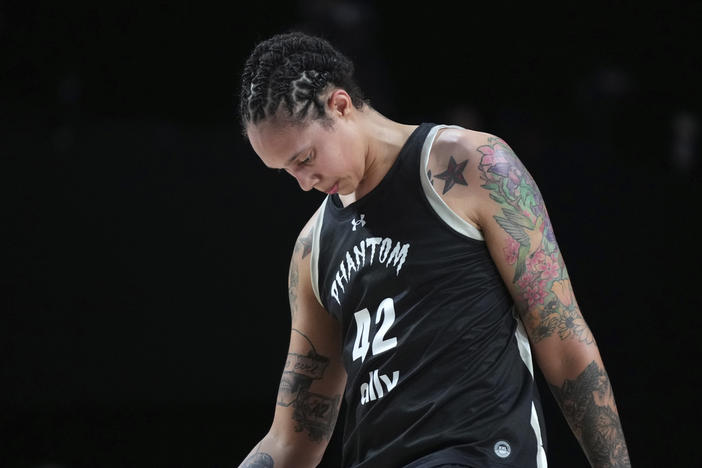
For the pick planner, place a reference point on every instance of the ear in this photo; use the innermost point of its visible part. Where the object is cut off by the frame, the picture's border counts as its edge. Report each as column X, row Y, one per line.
column 339, row 103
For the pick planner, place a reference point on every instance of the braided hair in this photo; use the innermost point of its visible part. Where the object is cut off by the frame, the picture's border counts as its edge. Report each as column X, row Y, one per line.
column 290, row 71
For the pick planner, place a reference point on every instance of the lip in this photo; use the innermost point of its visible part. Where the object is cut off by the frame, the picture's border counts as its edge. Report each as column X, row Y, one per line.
column 333, row 189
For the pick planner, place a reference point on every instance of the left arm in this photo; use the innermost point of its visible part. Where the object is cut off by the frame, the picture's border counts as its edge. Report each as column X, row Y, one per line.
column 521, row 241
column 506, row 204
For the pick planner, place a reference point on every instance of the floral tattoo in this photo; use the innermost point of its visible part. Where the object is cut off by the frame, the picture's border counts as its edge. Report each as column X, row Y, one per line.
column 546, row 300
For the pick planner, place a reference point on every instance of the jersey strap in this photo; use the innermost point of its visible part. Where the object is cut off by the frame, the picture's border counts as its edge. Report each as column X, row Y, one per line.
column 314, row 259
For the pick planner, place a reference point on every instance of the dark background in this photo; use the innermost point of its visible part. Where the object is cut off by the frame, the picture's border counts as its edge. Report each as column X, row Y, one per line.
column 144, row 316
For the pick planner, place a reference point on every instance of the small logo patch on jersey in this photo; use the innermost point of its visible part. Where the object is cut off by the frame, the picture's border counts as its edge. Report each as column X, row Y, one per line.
column 361, row 222
column 502, row 449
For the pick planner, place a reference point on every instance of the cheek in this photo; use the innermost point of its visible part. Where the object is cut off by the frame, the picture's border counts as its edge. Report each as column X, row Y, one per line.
column 347, row 160
column 350, row 153
column 342, row 155
column 335, row 158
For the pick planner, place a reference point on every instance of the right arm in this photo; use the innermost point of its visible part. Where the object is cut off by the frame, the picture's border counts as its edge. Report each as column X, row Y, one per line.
column 312, row 385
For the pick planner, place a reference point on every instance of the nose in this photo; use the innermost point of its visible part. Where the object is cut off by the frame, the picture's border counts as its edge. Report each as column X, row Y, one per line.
column 306, row 179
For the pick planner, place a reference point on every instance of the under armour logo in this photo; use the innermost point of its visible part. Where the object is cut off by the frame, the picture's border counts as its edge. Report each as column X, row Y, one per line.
column 361, row 222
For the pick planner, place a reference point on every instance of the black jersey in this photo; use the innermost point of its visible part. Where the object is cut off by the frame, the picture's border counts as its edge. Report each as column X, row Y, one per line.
column 439, row 367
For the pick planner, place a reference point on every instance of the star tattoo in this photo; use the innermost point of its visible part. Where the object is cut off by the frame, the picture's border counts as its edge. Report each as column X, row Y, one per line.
column 453, row 175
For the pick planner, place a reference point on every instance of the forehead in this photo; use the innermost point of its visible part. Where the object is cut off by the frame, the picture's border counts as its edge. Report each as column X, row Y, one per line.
column 275, row 142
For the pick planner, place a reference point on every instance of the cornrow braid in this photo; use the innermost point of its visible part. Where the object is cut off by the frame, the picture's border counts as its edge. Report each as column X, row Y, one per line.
column 291, row 71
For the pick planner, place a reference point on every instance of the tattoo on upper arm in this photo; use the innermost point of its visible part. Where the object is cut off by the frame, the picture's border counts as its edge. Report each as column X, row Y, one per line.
column 304, row 244
column 293, row 278
column 546, row 297
column 314, row 413
column 452, row 175
column 587, row 403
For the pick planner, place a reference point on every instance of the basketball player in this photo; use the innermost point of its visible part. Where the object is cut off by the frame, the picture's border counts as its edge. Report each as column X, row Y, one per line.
column 422, row 289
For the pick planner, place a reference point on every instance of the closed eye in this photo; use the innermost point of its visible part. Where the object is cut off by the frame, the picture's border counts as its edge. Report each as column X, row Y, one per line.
column 306, row 161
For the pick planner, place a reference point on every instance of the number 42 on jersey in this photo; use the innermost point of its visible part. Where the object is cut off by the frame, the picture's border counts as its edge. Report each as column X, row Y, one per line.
column 378, row 385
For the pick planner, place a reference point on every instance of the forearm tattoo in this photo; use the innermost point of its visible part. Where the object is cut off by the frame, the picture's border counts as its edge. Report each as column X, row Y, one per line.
column 314, row 413
column 258, row 459
column 304, row 244
column 546, row 302
column 588, row 405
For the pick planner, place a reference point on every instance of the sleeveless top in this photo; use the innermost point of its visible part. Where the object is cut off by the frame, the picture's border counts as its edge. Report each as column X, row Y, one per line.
column 439, row 366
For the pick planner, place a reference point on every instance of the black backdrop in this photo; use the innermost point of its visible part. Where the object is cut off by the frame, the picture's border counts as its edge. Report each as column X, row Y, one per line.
column 144, row 315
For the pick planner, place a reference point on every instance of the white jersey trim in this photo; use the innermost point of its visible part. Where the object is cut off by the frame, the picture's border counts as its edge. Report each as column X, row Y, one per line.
column 437, row 203
column 523, row 343
column 314, row 259
column 525, row 353
column 541, row 460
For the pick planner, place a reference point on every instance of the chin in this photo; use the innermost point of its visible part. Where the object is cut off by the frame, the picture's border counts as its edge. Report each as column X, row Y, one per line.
column 345, row 191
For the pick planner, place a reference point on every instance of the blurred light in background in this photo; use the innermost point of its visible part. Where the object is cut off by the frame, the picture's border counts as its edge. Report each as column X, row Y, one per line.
column 686, row 131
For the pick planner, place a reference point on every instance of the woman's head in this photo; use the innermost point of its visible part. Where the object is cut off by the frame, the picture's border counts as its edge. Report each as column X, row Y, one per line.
column 286, row 77
column 298, row 98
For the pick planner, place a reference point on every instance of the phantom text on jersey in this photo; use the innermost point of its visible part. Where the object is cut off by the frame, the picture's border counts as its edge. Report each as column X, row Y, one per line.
column 387, row 255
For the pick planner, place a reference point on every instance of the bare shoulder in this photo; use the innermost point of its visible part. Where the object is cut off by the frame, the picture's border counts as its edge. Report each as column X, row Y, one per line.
column 465, row 143
column 307, row 312
column 303, row 244
column 454, row 169
column 300, row 287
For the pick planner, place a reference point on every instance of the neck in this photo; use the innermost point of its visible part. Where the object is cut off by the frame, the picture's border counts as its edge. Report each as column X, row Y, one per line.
column 385, row 138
